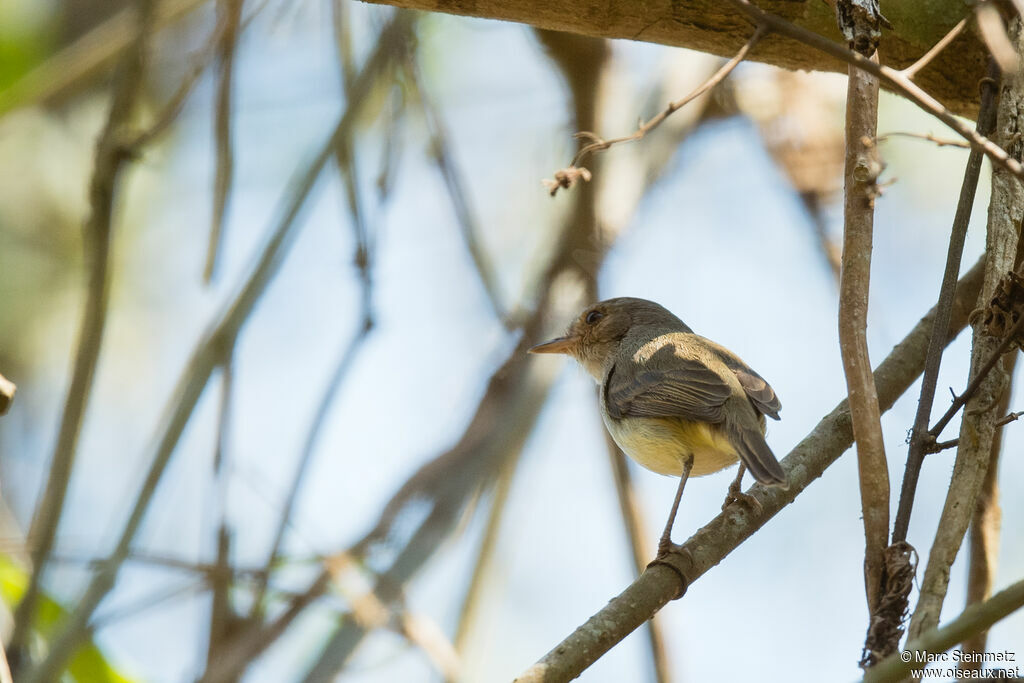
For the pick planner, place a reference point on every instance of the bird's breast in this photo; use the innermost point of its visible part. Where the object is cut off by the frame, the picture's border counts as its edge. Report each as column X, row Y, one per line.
column 661, row 443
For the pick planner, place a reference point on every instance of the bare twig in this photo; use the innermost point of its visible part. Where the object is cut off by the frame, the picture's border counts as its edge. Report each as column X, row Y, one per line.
column 959, row 401
column 975, row 619
column 939, row 142
column 7, row 389
column 230, row 16
column 919, row 436
column 862, row 169
column 953, row 443
column 889, row 77
column 597, row 144
column 516, row 390
column 210, row 352
column 458, row 193
column 660, row 583
column 638, row 539
column 977, row 428
column 98, row 232
column 933, row 52
column 983, row 555
column 469, row 612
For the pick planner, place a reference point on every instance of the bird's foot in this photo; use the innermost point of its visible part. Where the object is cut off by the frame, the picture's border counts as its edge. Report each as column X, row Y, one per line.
column 735, row 495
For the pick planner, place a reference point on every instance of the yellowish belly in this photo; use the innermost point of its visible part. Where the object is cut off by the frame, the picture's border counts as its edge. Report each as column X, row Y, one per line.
column 661, row 444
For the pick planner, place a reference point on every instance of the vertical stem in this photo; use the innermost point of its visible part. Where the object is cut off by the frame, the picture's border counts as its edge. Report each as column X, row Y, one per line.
column 98, row 230
column 862, row 168
column 984, row 533
column 977, row 429
column 636, row 535
column 919, row 436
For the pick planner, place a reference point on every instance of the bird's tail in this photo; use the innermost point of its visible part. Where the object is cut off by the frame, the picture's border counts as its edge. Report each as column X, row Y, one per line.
column 756, row 455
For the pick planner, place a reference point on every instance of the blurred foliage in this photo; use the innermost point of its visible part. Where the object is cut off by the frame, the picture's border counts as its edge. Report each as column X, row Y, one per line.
column 26, row 38
column 88, row 665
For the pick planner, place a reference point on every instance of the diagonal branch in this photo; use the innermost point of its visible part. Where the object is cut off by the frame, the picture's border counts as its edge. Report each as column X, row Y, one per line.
column 598, row 144
column 230, row 17
column 710, row 545
column 973, row 620
column 210, row 352
column 893, row 79
column 98, row 232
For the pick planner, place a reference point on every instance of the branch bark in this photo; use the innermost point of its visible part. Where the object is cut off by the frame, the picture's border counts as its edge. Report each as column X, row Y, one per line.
column 978, row 426
column 975, row 619
column 710, row 26
column 984, row 534
column 660, row 583
column 862, row 169
column 98, row 235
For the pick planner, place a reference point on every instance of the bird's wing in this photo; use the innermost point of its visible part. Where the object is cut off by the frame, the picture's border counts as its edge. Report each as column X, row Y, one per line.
column 754, row 385
column 685, row 388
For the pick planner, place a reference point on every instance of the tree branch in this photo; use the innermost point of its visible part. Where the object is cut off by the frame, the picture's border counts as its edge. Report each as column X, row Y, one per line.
column 709, row 26
column 975, row 619
column 984, row 532
column 660, row 583
column 862, row 169
column 210, row 352
column 958, row 234
column 1006, row 209
column 98, row 231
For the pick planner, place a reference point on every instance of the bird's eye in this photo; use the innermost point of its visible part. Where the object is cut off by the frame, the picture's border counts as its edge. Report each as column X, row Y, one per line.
column 593, row 317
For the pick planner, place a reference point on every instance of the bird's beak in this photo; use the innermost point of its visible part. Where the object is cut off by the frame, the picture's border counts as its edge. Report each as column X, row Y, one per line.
column 560, row 345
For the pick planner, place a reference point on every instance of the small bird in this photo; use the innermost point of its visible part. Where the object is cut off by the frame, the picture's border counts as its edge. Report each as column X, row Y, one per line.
column 675, row 402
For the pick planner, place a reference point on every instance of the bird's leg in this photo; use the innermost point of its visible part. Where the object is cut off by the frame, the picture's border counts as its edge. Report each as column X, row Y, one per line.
column 666, row 536
column 736, row 495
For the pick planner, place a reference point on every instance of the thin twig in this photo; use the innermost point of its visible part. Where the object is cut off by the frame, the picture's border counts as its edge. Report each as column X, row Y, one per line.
column 974, row 619
column 209, row 353
column 976, row 381
column 935, row 49
column 458, row 194
column 862, row 169
column 230, row 13
column 662, row 582
column 345, row 159
column 516, row 390
column 597, row 144
column 638, row 538
column 470, row 610
column 939, row 142
column 953, row 443
column 919, row 436
column 890, row 77
column 98, row 232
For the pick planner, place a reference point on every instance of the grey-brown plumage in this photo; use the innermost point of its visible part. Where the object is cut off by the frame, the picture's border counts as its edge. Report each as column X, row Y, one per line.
column 668, row 394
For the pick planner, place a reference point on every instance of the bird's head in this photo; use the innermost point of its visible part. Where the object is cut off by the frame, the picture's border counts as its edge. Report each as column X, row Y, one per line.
column 596, row 335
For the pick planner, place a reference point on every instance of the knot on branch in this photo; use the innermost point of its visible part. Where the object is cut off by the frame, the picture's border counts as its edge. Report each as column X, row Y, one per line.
column 566, row 178
column 886, row 626
column 861, row 23
column 1004, row 311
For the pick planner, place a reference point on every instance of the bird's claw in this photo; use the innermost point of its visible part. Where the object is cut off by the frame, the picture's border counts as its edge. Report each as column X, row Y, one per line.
column 744, row 499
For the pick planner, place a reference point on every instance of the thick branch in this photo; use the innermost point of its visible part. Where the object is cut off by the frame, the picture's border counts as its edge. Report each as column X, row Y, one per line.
column 713, row 543
column 862, row 169
column 711, row 26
